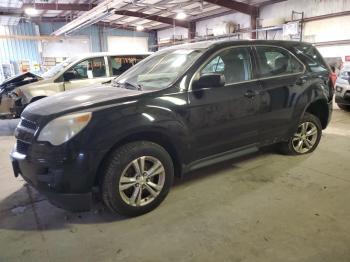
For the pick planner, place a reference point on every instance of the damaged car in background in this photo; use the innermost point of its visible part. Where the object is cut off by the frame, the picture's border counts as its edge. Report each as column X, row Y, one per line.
column 76, row 72
column 10, row 95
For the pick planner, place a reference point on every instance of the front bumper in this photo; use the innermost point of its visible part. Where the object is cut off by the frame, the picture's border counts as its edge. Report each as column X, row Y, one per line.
column 343, row 100
column 6, row 104
column 10, row 106
column 50, row 181
column 342, row 94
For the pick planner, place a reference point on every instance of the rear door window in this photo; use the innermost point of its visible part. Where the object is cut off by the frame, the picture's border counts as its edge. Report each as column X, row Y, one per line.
column 275, row 61
column 119, row 64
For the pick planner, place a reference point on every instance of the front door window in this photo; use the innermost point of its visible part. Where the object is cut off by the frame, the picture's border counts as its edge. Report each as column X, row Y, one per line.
column 89, row 69
column 234, row 64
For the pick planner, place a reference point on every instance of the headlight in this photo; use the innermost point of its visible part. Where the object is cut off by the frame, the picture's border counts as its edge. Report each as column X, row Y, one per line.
column 63, row 128
column 338, row 89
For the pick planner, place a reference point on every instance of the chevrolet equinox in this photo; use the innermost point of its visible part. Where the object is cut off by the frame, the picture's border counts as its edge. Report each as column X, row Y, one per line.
column 180, row 109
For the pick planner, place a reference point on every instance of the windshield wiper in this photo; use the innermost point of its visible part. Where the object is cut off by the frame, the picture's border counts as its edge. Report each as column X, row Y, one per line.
column 126, row 83
column 108, row 82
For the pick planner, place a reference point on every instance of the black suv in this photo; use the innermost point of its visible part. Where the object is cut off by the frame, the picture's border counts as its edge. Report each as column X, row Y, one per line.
column 178, row 110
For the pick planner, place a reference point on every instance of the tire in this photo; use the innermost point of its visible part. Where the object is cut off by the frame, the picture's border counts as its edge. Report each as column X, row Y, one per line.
column 307, row 141
column 344, row 107
column 122, row 181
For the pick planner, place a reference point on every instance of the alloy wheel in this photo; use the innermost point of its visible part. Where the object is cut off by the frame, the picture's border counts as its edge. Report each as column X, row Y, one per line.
column 305, row 137
column 142, row 181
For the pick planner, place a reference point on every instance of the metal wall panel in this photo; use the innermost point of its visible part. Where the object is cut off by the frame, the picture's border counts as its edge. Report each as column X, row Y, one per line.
column 309, row 7
column 98, row 35
column 15, row 50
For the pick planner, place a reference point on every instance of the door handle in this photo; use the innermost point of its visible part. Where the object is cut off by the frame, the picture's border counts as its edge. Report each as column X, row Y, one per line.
column 250, row 94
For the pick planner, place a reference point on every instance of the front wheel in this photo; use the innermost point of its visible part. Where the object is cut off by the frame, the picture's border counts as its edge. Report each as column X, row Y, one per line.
column 137, row 178
column 306, row 138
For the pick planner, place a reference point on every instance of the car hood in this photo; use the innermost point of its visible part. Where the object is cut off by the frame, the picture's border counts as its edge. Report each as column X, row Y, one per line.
column 19, row 80
column 80, row 99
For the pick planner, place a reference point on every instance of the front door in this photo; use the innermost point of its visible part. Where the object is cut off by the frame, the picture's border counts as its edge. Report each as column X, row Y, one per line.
column 91, row 71
column 225, row 118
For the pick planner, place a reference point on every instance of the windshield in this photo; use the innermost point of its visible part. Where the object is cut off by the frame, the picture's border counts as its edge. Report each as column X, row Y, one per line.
column 53, row 71
column 159, row 70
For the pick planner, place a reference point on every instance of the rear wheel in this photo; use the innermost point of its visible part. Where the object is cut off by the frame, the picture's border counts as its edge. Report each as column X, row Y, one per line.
column 138, row 176
column 306, row 138
column 344, row 107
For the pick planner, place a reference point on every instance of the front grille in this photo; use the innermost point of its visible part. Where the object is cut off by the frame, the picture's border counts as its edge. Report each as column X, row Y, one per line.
column 25, row 134
column 22, row 147
column 347, row 95
column 28, row 124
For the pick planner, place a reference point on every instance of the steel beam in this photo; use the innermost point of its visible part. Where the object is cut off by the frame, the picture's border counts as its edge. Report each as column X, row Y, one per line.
column 234, row 5
column 164, row 20
column 192, row 30
column 63, row 7
column 253, row 25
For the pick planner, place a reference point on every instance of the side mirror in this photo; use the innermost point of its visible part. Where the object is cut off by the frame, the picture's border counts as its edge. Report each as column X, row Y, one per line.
column 208, row 81
column 69, row 75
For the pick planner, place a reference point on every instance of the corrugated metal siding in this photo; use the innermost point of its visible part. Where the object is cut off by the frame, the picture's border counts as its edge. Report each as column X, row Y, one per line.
column 105, row 32
column 15, row 50
column 98, row 35
column 310, row 8
column 91, row 32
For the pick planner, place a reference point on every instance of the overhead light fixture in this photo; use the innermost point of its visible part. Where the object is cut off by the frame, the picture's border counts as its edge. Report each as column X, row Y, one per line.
column 86, row 23
column 31, row 11
column 181, row 15
column 139, row 28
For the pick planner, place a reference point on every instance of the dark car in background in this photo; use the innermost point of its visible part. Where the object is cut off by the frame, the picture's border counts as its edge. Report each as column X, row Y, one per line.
column 180, row 109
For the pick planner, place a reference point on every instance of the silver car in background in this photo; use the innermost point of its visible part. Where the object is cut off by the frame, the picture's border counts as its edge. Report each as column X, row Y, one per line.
column 342, row 89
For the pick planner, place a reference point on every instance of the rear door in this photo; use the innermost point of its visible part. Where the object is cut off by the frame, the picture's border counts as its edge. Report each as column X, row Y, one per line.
column 90, row 71
column 280, row 72
column 225, row 118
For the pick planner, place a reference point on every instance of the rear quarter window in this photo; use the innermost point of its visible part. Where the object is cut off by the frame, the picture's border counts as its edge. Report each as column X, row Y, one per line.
column 311, row 58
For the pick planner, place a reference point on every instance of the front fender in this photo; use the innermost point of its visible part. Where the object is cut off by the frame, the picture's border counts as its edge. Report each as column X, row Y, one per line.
column 40, row 90
column 113, row 126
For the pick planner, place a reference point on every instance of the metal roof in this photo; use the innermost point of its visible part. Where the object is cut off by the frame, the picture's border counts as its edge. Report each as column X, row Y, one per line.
column 67, row 10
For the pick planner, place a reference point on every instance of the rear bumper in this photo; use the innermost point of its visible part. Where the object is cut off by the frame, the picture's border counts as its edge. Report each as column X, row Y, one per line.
column 49, row 182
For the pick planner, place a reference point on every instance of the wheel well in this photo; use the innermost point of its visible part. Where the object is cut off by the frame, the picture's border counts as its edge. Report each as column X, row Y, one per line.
column 36, row 98
column 154, row 137
column 319, row 109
